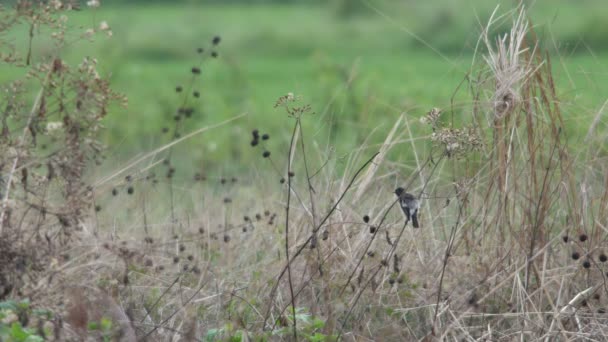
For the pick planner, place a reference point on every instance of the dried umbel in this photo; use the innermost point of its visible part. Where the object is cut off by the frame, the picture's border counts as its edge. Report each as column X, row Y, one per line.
column 456, row 142
column 288, row 102
column 432, row 117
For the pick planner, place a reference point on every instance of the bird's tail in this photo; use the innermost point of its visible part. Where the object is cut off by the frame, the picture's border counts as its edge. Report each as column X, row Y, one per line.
column 415, row 220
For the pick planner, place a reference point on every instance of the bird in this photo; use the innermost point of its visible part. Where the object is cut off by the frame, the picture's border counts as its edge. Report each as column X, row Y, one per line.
column 410, row 205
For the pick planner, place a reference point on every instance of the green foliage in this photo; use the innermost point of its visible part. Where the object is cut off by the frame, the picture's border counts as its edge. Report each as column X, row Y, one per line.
column 309, row 328
column 104, row 327
column 15, row 331
column 226, row 333
column 358, row 73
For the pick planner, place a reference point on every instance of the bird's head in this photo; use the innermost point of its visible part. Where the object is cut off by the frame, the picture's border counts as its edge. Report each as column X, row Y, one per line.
column 399, row 192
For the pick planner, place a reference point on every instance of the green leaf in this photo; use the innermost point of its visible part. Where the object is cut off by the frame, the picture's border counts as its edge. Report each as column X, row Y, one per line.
column 212, row 334
column 23, row 305
column 18, row 333
column 318, row 324
column 237, row 337
column 93, row 325
column 8, row 305
column 106, row 324
column 34, row 338
column 48, row 314
column 303, row 318
column 4, row 330
column 318, row 337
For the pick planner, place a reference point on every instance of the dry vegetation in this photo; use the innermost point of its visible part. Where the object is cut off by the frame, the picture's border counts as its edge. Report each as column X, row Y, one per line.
column 511, row 244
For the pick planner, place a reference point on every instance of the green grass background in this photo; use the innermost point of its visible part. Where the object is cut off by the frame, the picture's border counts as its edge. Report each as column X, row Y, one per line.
column 399, row 56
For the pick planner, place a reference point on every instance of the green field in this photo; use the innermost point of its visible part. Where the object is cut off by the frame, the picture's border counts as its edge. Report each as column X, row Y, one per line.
column 358, row 72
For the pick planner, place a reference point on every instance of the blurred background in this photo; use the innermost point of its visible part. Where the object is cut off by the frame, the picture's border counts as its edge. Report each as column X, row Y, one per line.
column 359, row 64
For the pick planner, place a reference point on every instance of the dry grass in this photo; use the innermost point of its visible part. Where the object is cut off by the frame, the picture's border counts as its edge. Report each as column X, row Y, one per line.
column 511, row 244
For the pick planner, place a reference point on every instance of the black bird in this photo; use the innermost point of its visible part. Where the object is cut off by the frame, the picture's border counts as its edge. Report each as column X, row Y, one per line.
column 409, row 205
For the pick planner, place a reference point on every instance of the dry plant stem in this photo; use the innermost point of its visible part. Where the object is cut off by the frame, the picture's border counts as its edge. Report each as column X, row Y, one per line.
column 305, row 283
column 293, row 299
column 233, row 294
column 177, row 126
column 172, row 204
column 373, row 276
column 161, row 297
column 448, row 252
column 392, row 250
column 165, row 147
column 145, row 214
column 321, row 167
column 311, row 190
column 144, row 338
column 354, row 271
column 29, row 49
column 536, row 227
column 316, row 230
column 464, row 79
column 187, row 93
column 17, row 156
column 384, row 149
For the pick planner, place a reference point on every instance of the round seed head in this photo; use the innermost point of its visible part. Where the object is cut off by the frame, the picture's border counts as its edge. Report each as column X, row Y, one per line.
column 576, row 255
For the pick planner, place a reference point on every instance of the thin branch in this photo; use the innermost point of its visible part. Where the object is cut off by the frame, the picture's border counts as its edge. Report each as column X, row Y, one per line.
column 17, row 153
column 293, row 299
column 316, row 230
